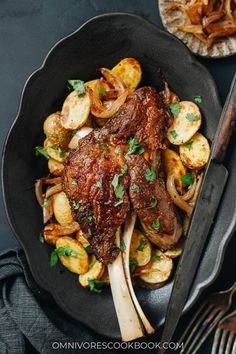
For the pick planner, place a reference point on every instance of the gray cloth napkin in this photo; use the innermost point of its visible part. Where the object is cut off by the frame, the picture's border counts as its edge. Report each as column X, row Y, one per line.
column 30, row 320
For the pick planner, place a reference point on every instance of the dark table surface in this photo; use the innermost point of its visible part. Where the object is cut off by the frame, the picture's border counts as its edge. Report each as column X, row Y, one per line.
column 28, row 29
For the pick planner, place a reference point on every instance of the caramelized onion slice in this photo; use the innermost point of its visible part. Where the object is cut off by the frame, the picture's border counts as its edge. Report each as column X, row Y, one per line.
column 39, row 191
column 177, row 199
column 47, row 210
column 114, row 80
column 55, row 189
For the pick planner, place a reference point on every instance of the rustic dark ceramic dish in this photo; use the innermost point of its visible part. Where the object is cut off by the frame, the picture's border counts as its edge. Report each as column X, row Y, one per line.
column 102, row 41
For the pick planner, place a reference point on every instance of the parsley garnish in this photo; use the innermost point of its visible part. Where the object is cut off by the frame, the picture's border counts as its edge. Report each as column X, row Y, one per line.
column 91, row 218
column 102, row 91
column 133, row 264
column 74, row 182
column 76, row 205
column 41, row 238
column 135, row 147
column 187, row 179
column 87, row 246
column 118, row 189
column 175, row 108
column 92, row 263
column 95, row 285
column 61, row 251
column 40, row 150
column 142, row 246
column 77, row 85
column 154, row 257
column 188, row 145
column 98, row 184
column 198, row 99
column 123, row 170
column 122, row 245
column 173, row 134
column 150, row 175
column 192, row 117
column 61, row 154
column 153, row 203
column 136, row 187
column 156, row 225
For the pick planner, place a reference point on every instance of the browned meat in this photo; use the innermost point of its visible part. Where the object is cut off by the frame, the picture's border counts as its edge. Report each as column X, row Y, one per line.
column 96, row 184
column 87, row 180
column 153, row 203
column 143, row 116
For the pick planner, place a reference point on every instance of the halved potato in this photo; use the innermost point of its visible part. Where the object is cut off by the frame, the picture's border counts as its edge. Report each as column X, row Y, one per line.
column 185, row 124
column 75, row 110
column 54, row 152
column 130, row 72
column 173, row 165
column 55, row 132
column 55, row 167
column 156, row 271
column 62, row 209
column 95, row 272
column 76, row 264
column 79, row 134
column 140, row 248
column 174, row 253
column 195, row 153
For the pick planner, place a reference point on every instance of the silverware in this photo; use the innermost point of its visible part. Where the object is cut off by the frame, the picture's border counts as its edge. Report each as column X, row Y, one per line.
column 225, row 336
column 208, row 200
column 206, row 319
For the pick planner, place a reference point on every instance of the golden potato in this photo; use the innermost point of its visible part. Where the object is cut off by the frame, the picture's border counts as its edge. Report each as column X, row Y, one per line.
column 49, row 236
column 157, row 270
column 55, row 132
column 75, row 110
column 140, row 248
column 130, row 72
column 95, row 272
column 78, row 263
column 173, row 165
column 79, row 135
column 55, row 167
column 62, row 209
column 174, row 253
column 185, row 124
column 195, row 153
column 54, row 152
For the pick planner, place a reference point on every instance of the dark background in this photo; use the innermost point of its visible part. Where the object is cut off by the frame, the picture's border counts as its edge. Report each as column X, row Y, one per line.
column 29, row 28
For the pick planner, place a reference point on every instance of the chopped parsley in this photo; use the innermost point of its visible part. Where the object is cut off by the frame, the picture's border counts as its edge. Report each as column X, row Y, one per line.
column 188, row 179
column 77, row 85
column 122, row 245
column 74, row 182
column 39, row 150
column 192, row 117
column 198, row 99
column 41, row 238
column 74, row 132
column 189, row 145
column 96, row 285
column 61, row 154
column 185, row 41
column 118, row 189
column 142, row 246
column 175, row 108
column 150, row 175
column 87, row 246
column 92, row 263
column 123, row 170
column 135, row 147
column 61, row 251
column 154, row 257
column 102, row 91
column 98, row 184
column 156, row 224
column 91, row 218
column 76, row 205
column 173, row 134
column 133, row 264
column 153, row 204
column 136, row 187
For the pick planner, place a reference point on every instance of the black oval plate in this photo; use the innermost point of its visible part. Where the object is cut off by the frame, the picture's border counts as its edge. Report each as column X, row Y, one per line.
column 102, row 41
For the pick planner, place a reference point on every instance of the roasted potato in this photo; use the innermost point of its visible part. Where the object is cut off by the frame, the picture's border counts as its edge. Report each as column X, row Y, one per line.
column 79, row 262
column 78, row 135
column 157, row 270
column 62, row 209
column 55, row 132
column 173, row 165
column 196, row 152
column 185, row 124
column 140, row 248
column 95, row 272
column 130, row 72
column 75, row 110
column 55, row 167
column 174, row 253
column 54, row 152
column 49, row 236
